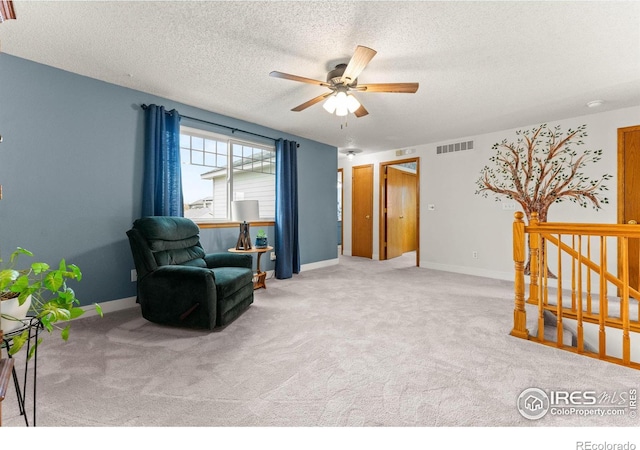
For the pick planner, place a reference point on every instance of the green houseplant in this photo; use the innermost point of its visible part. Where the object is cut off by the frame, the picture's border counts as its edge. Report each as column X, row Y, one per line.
column 261, row 239
column 51, row 300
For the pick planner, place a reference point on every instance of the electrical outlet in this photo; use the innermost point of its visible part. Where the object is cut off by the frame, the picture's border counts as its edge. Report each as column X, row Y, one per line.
column 134, row 275
column 272, row 256
column 509, row 206
column 475, row 255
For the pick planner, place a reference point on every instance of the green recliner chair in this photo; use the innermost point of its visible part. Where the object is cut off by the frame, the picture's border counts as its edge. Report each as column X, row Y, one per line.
column 178, row 284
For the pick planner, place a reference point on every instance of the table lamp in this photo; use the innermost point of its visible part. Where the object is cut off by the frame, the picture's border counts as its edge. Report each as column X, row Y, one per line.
column 244, row 211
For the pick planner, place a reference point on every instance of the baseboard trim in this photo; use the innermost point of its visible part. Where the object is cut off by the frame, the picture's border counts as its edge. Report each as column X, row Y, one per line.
column 319, row 264
column 507, row 276
column 110, row 306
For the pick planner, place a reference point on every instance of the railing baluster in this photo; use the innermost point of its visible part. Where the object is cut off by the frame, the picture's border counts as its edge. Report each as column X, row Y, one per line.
column 542, row 264
column 519, row 312
column 534, row 265
column 545, row 270
column 624, row 301
column 638, row 279
column 559, row 329
column 588, row 276
column 573, row 275
column 580, row 327
column 602, row 335
column 605, row 307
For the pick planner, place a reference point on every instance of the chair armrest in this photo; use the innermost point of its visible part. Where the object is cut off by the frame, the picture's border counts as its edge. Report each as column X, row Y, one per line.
column 214, row 260
column 179, row 294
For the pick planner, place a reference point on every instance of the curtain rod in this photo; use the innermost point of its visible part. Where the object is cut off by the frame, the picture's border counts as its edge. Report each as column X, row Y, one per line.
column 233, row 130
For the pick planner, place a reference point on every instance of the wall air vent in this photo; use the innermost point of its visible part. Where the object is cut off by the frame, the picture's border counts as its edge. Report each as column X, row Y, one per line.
column 456, row 147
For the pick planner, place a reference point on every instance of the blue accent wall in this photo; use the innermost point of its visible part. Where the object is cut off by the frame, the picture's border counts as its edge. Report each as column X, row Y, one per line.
column 71, row 170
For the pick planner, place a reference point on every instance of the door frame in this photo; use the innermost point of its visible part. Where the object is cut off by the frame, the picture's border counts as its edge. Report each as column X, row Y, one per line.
column 383, row 216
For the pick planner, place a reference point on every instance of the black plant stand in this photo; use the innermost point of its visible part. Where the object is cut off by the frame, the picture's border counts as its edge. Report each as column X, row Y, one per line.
column 33, row 326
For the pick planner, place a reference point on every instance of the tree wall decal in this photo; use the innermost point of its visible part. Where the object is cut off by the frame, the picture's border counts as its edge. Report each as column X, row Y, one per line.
column 542, row 168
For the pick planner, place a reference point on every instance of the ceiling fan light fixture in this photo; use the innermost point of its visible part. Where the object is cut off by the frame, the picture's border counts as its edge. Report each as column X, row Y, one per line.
column 352, row 103
column 342, row 110
column 350, row 153
column 341, row 103
column 595, row 103
column 330, row 104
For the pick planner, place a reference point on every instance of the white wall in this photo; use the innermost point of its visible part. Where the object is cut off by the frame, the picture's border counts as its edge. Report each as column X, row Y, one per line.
column 464, row 222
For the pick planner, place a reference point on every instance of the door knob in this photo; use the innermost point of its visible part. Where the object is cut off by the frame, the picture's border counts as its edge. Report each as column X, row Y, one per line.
column 633, row 222
column 367, row 216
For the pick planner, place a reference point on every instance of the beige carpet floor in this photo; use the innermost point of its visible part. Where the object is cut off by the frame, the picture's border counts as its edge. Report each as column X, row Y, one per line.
column 359, row 344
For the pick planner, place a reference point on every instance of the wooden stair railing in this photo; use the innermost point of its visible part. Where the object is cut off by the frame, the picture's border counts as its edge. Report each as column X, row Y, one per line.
column 582, row 308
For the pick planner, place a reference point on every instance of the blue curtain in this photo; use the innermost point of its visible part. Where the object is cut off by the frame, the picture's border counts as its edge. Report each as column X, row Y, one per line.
column 286, row 239
column 162, row 183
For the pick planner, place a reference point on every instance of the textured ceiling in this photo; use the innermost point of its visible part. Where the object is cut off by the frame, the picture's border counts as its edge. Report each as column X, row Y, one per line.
column 482, row 66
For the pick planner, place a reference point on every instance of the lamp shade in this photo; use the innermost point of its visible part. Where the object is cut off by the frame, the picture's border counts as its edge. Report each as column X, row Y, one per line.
column 352, row 103
column 330, row 104
column 245, row 210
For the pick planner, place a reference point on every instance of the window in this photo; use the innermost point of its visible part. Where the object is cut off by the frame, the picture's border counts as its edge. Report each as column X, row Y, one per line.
column 217, row 169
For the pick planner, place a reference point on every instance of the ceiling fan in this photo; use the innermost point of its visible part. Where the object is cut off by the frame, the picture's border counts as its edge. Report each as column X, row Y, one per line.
column 344, row 79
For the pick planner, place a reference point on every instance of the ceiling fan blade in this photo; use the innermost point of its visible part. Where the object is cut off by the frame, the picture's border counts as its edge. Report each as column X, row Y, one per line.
column 408, row 88
column 311, row 102
column 358, row 62
column 288, row 76
column 360, row 112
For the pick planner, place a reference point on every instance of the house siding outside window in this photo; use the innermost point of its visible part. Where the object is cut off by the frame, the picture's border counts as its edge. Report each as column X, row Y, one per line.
column 208, row 183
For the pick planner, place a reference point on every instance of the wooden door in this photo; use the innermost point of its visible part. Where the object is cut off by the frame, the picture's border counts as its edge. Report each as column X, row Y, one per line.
column 404, row 237
column 629, row 192
column 409, row 212
column 362, row 211
column 394, row 210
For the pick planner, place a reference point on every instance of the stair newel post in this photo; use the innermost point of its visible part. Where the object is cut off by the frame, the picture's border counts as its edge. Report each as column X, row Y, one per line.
column 519, row 312
column 534, row 266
